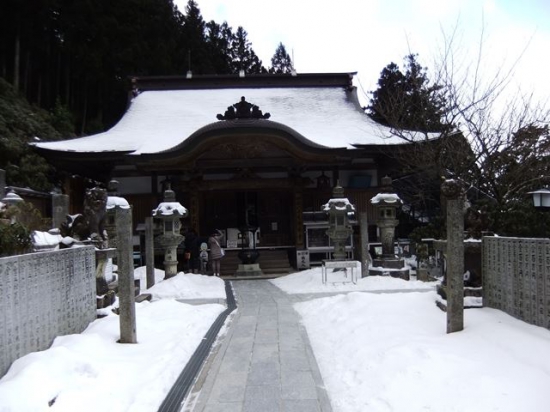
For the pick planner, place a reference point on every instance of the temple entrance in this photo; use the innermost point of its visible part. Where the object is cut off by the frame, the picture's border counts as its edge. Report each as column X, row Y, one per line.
column 269, row 210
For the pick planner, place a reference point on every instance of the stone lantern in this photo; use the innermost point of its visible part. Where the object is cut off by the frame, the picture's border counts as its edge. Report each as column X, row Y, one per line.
column 170, row 212
column 12, row 198
column 338, row 209
column 386, row 206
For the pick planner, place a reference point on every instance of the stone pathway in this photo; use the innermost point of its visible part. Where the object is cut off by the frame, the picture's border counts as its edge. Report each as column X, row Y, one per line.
column 265, row 362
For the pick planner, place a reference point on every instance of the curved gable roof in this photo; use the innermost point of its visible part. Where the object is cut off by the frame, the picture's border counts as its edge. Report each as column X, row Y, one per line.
column 160, row 120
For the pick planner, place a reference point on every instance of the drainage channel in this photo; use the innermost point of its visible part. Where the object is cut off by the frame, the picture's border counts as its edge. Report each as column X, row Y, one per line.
column 175, row 398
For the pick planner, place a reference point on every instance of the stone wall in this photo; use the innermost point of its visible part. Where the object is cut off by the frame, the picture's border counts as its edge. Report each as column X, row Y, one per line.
column 516, row 278
column 44, row 295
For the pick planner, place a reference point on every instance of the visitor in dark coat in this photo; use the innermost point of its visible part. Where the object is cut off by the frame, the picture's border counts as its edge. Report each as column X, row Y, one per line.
column 192, row 246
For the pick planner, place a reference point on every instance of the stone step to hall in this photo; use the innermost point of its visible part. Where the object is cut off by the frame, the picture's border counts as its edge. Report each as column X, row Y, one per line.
column 271, row 262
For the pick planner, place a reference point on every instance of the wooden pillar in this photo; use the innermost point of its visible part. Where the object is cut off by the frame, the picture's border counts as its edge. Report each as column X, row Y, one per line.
column 154, row 184
column 336, row 176
column 299, row 217
column 194, row 211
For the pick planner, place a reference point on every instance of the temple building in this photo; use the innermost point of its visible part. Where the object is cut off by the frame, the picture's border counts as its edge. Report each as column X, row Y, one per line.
column 257, row 150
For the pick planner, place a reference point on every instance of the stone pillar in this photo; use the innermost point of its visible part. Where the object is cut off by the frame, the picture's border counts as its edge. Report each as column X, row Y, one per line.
column 365, row 259
column 60, row 209
column 2, row 183
column 126, row 288
column 149, row 252
column 454, row 195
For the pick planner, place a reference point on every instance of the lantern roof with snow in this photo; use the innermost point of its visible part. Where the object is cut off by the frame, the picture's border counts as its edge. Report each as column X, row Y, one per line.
column 117, row 201
column 169, row 207
column 387, row 197
column 338, row 201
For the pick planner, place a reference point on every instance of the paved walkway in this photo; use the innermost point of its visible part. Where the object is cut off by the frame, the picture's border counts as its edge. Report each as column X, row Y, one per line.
column 265, row 362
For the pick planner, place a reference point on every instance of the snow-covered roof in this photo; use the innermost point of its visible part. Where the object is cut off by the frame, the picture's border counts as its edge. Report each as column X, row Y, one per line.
column 159, row 120
column 169, row 209
column 386, row 198
column 117, row 201
column 341, row 203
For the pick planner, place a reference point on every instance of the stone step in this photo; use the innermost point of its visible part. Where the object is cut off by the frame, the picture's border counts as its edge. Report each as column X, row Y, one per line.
column 271, row 262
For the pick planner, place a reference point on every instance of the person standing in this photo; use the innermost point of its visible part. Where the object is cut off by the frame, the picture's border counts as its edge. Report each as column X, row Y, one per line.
column 216, row 251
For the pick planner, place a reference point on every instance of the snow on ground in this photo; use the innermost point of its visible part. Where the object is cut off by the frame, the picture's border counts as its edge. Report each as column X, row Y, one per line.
column 91, row 372
column 310, row 281
column 189, row 286
column 390, row 352
column 141, row 274
column 377, row 352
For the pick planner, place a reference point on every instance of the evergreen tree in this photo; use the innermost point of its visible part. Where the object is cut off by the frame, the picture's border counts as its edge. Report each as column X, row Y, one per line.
column 387, row 101
column 219, row 39
column 408, row 100
column 195, row 42
column 281, row 61
column 81, row 53
column 243, row 56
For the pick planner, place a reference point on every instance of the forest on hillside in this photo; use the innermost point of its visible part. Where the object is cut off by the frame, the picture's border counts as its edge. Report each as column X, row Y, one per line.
column 79, row 55
column 65, row 67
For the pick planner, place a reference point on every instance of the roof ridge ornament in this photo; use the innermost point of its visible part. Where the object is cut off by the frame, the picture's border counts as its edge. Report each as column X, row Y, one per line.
column 243, row 110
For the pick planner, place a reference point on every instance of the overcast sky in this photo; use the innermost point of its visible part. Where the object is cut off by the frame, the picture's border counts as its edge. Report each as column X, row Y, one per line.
column 366, row 35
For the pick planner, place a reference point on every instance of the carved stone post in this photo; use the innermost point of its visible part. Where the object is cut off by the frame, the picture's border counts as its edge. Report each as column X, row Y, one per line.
column 126, row 288
column 149, row 252
column 454, row 195
column 364, row 246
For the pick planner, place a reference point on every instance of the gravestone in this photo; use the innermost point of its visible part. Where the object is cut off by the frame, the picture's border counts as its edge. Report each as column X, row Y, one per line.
column 60, row 209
